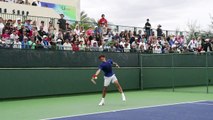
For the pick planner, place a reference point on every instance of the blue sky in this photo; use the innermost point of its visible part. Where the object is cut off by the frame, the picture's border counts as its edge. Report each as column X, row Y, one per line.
column 169, row 13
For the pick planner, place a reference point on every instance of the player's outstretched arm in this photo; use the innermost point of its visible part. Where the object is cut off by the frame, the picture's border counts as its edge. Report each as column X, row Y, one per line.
column 97, row 73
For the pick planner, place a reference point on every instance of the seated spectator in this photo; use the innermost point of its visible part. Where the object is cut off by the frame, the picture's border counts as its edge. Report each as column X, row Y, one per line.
column 14, row 35
column 94, row 47
column 122, row 43
column 75, row 46
column 67, row 45
column 81, row 46
column 81, row 38
column 157, row 49
column 127, row 47
column 28, row 24
column 24, row 43
column 32, row 43
column 17, row 44
column 45, row 43
column 18, row 23
column 41, row 33
column 193, row 45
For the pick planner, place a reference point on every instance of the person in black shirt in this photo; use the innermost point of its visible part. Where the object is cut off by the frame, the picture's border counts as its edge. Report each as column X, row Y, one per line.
column 148, row 28
column 62, row 23
column 159, row 31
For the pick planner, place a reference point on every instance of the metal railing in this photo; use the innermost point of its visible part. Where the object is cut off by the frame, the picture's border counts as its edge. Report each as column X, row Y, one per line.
column 115, row 28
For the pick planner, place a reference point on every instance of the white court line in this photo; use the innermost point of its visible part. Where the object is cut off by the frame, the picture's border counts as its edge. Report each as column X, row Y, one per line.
column 163, row 105
column 208, row 104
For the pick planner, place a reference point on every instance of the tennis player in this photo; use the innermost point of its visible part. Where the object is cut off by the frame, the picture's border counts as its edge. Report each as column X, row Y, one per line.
column 109, row 77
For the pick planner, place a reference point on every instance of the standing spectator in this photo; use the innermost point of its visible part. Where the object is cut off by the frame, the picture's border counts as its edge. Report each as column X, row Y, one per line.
column 51, row 29
column 148, row 28
column 1, row 26
column 159, row 31
column 45, row 28
column 62, row 23
column 103, row 22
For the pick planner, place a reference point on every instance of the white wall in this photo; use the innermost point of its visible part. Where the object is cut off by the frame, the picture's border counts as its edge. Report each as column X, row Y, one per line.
column 42, row 11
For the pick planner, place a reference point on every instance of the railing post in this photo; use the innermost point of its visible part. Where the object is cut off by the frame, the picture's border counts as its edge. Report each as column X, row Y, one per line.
column 207, row 74
column 173, row 74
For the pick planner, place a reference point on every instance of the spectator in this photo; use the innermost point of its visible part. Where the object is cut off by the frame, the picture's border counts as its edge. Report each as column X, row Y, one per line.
column 75, row 46
column 103, row 22
column 17, row 44
column 18, row 23
column 24, row 43
column 67, row 45
column 81, row 46
column 28, row 24
column 41, row 33
column 159, row 31
column 14, row 35
column 45, row 43
column 62, row 23
column 31, row 43
column 193, row 45
column 1, row 26
column 148, row 28
column 51, row 29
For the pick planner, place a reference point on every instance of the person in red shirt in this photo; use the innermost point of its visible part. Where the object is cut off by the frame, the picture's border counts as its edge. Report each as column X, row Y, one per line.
column 103, row 22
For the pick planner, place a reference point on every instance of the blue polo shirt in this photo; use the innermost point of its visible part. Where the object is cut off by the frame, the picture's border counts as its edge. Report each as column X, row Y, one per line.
column 106, row 67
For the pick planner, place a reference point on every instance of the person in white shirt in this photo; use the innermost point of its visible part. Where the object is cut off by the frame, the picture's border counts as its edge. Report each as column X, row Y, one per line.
column 77, row 30
column 193, row 44
column 127, row 47
column 94, row 41
column 17, row 43
column 67, row 45
column 14, row 35
column 81, row 46
column 81, row 38
column 122, row 43
column 142, row 46
column 157, row 49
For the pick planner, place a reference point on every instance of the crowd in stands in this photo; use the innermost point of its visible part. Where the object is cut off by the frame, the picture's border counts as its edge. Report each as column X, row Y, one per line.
column 27, row 34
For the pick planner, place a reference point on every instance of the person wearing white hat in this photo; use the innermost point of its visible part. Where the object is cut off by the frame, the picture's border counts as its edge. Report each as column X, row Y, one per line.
column 17, row 43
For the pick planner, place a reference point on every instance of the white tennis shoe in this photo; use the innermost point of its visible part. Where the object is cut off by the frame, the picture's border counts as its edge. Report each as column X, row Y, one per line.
column 102, row 103
column 123, row 97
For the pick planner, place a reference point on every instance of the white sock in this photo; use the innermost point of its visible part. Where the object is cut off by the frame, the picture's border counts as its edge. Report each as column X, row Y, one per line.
column 103, row 99
column 122, row 94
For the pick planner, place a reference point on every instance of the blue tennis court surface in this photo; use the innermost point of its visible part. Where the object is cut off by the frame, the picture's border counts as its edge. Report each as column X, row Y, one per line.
column 185, row 111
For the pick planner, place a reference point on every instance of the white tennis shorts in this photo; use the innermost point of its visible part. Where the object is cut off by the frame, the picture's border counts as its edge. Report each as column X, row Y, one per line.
column 108, row 80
